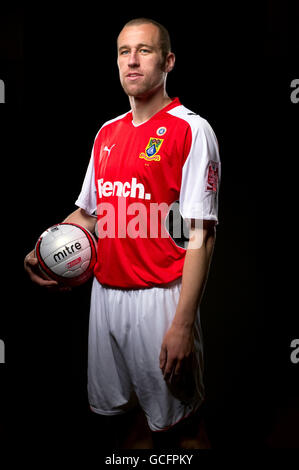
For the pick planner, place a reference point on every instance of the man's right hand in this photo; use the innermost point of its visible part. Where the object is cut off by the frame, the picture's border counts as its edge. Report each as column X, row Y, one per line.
column 80, row 217
column 35, row 274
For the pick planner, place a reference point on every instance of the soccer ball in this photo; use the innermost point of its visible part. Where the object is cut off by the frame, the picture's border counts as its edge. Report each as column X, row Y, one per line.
column 67, row 253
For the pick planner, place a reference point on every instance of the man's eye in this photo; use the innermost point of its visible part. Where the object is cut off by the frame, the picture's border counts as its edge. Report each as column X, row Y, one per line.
column 124, row 52
column 144, row 51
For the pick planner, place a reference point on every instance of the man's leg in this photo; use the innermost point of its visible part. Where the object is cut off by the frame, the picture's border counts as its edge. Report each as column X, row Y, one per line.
column 124, row 431
column 109, row 432
column 190, row 433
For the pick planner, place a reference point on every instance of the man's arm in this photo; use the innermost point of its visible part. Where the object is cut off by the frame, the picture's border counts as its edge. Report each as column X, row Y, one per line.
column 80, row 217
column 178, row 341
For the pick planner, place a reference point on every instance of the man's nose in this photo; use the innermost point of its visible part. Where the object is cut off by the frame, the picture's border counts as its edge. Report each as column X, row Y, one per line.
column 133, row 59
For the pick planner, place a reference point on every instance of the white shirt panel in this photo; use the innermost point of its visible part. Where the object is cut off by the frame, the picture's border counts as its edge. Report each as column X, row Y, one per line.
column 87, row 199
column 197, row 199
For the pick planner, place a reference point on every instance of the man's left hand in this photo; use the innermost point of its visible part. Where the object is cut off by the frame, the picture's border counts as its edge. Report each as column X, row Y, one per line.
column 177, row 348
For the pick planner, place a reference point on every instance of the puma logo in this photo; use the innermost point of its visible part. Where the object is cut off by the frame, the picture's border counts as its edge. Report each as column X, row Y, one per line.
column 108, row 150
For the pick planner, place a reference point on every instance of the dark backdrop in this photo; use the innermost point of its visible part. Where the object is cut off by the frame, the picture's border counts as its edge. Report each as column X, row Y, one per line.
column 234, row 67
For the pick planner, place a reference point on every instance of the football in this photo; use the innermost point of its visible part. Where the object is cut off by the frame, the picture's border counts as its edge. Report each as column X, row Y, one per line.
column 67, row 253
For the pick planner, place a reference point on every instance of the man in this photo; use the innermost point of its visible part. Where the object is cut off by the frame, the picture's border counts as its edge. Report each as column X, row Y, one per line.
column 145, row 342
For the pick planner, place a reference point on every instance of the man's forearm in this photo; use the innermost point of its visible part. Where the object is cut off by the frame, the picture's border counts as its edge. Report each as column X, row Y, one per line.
column 80, row 217
column 195, row 273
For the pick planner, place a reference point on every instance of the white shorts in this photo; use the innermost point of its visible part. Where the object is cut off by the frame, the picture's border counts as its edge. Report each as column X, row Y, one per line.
column 126, row 330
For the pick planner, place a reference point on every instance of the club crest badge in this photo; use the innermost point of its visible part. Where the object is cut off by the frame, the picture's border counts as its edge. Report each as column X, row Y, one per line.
column 152, row 149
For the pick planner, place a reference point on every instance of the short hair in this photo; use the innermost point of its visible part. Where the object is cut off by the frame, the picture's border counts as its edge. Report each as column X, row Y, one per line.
column 165, row 44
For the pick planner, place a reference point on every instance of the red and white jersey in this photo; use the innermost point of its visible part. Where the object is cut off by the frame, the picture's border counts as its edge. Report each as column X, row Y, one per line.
column 135, row 174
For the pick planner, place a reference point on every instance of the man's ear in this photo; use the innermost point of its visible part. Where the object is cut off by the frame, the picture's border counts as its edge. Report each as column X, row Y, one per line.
column 169, row 62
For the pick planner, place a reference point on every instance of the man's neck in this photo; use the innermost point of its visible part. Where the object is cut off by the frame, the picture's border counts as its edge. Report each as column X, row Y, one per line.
column 145, row 107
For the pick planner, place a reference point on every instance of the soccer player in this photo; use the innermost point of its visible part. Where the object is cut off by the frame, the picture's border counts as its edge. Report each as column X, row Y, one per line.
column 145, row 340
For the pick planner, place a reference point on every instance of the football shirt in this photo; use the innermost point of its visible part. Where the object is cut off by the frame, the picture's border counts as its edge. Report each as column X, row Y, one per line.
column 135, row 175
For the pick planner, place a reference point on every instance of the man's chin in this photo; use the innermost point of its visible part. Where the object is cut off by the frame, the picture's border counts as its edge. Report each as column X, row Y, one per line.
column 136, row 92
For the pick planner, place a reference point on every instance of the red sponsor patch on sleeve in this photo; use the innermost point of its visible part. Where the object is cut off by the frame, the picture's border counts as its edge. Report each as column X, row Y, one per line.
column 213, row 177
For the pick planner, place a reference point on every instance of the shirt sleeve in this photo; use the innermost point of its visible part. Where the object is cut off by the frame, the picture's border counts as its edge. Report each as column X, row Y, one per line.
column 201, row 174
column 87, row 198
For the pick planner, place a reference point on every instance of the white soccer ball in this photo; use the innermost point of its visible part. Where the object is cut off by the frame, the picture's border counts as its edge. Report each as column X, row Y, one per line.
column 67, row 253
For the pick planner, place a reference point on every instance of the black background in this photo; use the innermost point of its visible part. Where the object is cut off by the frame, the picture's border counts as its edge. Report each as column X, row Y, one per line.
column 234, row 66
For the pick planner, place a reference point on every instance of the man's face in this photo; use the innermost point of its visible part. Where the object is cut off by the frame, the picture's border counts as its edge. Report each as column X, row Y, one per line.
column 139, row 60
